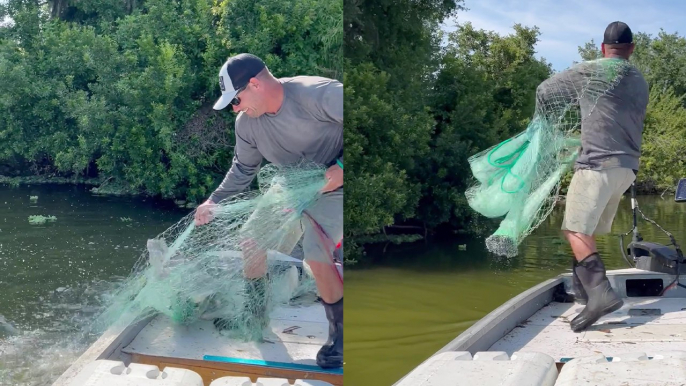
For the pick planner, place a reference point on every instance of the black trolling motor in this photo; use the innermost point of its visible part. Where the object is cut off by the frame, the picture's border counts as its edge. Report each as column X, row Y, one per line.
column 649, row 256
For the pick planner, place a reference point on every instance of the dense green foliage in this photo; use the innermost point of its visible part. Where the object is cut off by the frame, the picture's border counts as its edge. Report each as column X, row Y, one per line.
column 662, row 59
column 419, row 103
column 122, row 91
column 392, row 51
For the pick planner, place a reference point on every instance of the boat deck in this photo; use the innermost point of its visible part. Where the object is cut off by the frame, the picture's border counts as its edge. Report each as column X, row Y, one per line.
column 289, row 349
column 649, row 325
column 294, row 336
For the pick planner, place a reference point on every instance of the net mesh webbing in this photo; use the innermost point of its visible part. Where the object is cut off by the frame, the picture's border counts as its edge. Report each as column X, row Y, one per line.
column 191, row 273
column 519, row 179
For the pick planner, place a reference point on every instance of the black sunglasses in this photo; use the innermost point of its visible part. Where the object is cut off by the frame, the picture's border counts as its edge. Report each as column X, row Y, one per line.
column 236, row 100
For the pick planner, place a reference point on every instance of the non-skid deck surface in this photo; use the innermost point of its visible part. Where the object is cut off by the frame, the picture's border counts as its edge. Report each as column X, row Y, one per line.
column 641, row 325
column 297, row 333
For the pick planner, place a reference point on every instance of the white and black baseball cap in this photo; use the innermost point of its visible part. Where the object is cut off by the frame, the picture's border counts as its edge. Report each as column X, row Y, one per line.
column 235, row 75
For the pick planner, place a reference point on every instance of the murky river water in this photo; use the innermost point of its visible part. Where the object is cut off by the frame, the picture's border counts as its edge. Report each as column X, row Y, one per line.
column 53, row 275
column 418, row 297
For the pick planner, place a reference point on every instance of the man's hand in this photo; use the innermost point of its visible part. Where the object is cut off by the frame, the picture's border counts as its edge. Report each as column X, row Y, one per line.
column 335, row 176
column 204, row 214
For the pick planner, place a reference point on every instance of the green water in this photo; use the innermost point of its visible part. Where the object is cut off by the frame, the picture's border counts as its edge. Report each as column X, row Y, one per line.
column 418, row 297
column 415, row 300
column 53, row 276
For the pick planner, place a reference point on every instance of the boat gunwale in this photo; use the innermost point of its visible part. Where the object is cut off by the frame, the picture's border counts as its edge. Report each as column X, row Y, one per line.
column 505, row 317
column 107, row 346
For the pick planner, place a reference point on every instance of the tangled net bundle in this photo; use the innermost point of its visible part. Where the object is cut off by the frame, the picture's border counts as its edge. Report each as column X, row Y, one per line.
column 520, row 178
column 191, row 273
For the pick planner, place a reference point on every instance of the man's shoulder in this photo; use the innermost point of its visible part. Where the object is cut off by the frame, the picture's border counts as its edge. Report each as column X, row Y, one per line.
column 637, row 86
column 637, row 74
column 307, row 89
column 307, row 81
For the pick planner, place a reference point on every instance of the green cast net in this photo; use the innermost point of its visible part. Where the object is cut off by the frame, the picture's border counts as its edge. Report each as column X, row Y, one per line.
column 519, row 179
column 193, row 273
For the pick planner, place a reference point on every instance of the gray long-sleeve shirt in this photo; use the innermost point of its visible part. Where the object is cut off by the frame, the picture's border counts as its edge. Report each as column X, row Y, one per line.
column 309, row 125
column 612, row 128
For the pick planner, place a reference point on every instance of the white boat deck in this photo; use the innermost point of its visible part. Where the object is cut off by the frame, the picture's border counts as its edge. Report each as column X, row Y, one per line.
column 157, row 345
column 295, row 335
column 648, row 325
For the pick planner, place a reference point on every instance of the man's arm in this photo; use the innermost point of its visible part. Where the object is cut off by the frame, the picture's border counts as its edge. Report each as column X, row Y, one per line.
column 328, row 106
column 246, row 162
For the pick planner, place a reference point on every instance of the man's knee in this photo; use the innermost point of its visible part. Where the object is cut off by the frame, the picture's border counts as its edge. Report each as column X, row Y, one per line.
column 576, row 235
column 254, row 259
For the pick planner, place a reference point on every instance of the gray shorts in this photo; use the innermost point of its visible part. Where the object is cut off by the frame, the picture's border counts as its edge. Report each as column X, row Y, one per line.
column 322, row 236
column 593, row 198
column 321, row 229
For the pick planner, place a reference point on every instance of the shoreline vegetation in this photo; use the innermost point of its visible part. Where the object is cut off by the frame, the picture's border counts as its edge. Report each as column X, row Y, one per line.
column 422, row 98
column 118, row 95
column 96, row 187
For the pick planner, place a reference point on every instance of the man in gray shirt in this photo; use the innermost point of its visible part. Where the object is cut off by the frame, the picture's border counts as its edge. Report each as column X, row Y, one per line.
column 608, row 161
column 284, row 121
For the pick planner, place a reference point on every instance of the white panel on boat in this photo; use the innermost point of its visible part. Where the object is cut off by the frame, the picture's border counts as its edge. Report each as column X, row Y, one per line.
column 485, row 369
column 635, row 369
column 115, row 373
column 642, row 324
column 638, row 333
column 245, row 381
column 294, row 336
